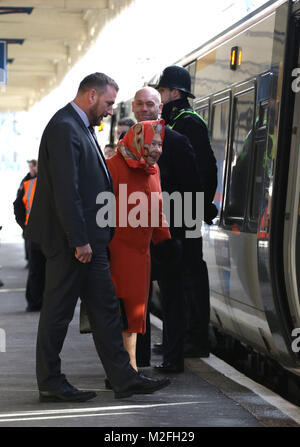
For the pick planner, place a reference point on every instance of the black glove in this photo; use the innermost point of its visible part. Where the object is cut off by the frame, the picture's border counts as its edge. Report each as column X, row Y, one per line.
column 210, row 212
column 167, row 253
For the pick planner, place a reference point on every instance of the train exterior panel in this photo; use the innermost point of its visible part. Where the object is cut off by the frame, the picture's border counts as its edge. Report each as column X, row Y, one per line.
column 252, row 249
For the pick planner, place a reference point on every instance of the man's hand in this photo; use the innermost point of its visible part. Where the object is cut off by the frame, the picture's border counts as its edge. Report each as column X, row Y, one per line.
column 84, row 253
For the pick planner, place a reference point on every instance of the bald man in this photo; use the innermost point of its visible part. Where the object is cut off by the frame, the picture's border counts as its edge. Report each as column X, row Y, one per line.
column 178, row 170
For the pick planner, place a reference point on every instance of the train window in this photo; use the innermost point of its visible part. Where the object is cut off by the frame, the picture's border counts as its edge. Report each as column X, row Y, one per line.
column 220, row 123
column 240, row 155
column 204, row 112
column 263, row 143
column 192, row 71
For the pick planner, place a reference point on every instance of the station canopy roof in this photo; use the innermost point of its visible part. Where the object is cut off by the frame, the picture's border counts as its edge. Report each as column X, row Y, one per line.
column 45, row 38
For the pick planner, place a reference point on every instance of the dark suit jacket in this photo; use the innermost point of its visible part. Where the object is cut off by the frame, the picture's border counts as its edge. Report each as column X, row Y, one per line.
column 70, row 177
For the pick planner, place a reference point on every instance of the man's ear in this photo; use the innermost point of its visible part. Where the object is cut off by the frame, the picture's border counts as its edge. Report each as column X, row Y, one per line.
column 92, row 95
column 175, row 93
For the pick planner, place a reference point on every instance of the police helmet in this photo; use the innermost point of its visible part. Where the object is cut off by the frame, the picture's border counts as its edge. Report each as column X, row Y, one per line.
column 176, row 77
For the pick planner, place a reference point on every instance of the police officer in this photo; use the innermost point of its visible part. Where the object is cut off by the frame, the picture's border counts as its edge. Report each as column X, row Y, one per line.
column 174, row 87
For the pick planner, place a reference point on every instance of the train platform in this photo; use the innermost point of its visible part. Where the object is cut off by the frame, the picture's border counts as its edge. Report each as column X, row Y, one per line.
column 203, row 396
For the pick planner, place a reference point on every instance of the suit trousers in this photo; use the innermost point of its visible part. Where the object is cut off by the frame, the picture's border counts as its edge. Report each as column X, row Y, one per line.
column 67, row 279
column 36, row 276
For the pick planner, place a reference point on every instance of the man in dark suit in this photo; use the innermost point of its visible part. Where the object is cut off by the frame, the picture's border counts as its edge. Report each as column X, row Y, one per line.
column 72, row 172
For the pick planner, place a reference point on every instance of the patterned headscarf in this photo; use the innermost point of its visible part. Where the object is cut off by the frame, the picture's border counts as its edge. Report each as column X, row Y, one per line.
column 136, row 142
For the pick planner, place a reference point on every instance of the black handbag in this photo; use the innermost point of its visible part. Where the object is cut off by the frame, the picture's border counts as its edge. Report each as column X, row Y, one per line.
column 84, row 322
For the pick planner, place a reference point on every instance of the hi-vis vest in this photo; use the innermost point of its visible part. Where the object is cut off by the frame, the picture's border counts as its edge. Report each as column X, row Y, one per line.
column 29, row 190
column 191, row 112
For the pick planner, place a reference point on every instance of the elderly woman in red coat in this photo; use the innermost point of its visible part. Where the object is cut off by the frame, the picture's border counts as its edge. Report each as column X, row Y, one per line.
column 136, row 178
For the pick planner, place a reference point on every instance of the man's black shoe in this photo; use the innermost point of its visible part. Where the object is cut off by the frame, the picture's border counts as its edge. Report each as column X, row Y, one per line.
column 157, row 348
column 167, row 367
column 67, row 393
column 145, row 385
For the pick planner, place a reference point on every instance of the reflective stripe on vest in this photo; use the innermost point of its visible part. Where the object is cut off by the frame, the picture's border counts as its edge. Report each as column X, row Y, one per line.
column 192, row 112
column 29, row 190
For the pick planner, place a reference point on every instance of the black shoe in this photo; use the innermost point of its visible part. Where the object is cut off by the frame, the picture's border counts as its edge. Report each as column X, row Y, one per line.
column 1, row 283
column 168, row 367
column 157, row 348
column 67, row 393
column 144, row 385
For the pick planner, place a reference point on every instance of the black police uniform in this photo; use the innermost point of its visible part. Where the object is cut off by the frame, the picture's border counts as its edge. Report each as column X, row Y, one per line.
column 179, row 115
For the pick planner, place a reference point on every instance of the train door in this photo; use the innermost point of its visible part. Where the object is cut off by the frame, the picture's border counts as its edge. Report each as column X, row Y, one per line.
column 291, row 240
column 216, row 112
column 278, row 250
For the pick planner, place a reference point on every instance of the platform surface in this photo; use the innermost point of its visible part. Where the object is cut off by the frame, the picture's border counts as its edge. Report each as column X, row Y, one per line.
column 200, row 397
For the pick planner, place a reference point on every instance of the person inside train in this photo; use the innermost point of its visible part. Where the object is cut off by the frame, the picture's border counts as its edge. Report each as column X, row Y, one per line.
column 135, row 168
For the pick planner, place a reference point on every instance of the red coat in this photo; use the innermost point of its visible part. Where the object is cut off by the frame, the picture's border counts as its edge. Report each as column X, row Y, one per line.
column 130, row 247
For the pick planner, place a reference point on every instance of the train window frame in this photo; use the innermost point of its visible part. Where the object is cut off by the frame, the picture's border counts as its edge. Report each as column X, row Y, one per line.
column 203, row 104
column 191, row 67
column 261, row 126
column 217, row 99
column 230, row 221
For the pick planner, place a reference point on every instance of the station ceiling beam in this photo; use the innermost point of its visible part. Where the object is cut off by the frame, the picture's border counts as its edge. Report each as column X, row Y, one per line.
column 45, row 38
